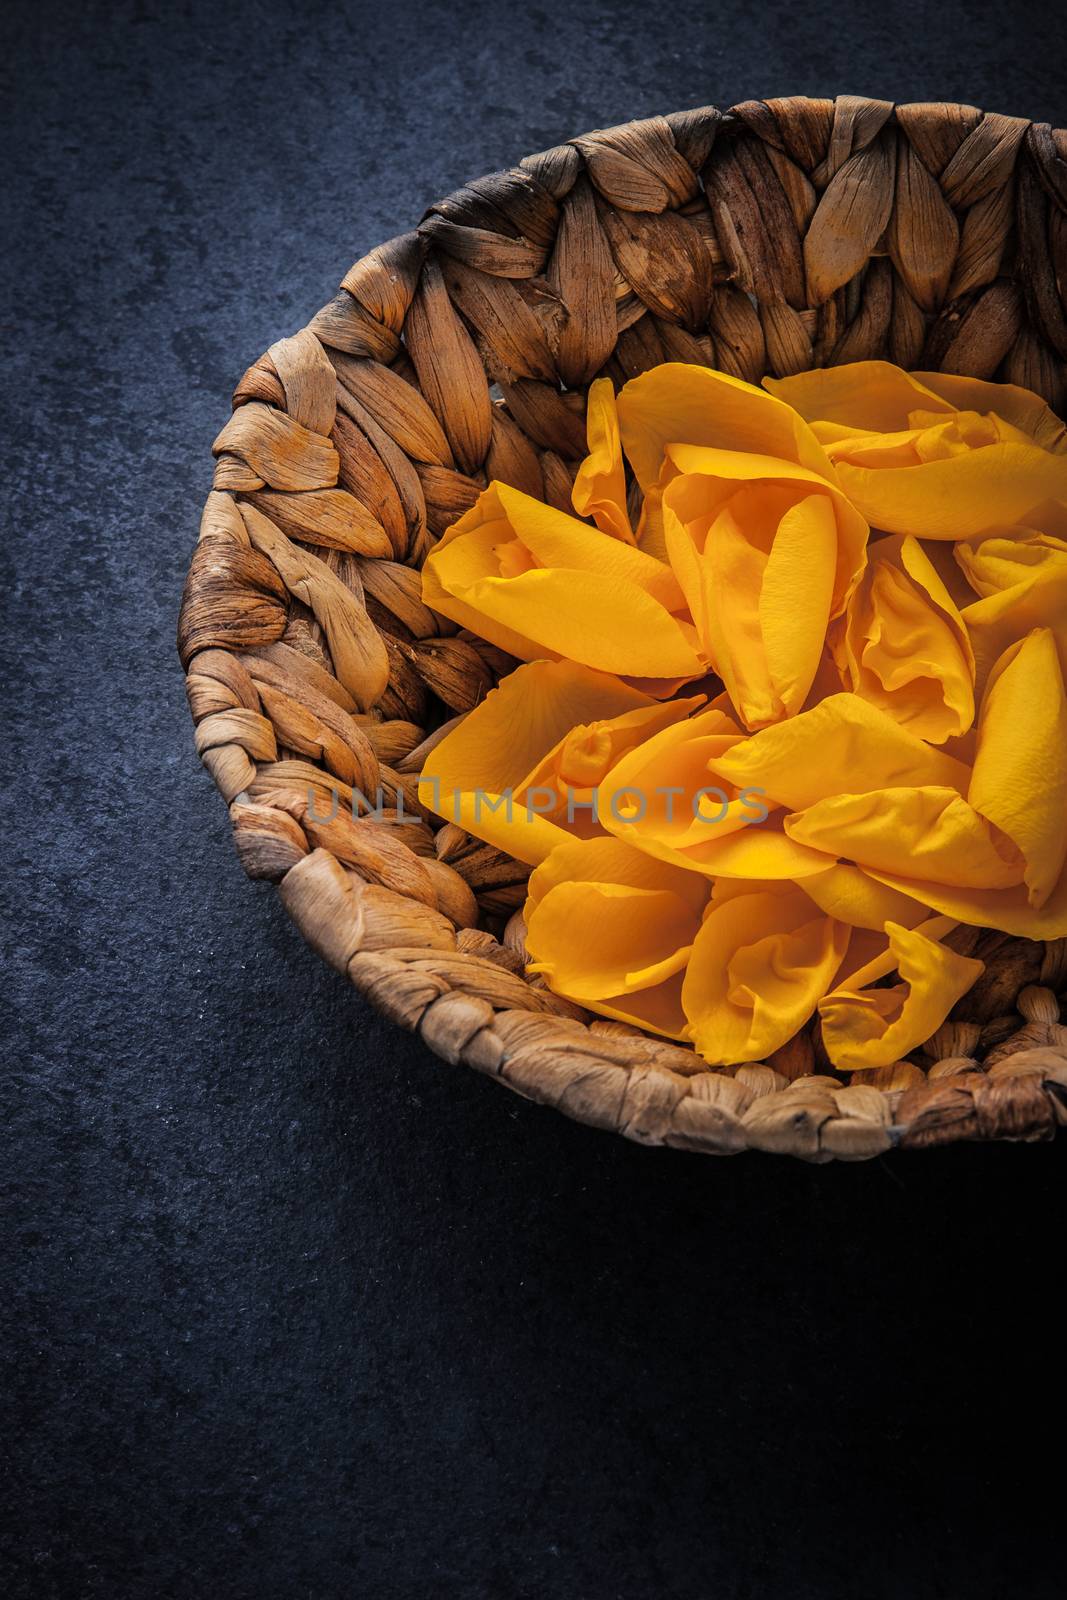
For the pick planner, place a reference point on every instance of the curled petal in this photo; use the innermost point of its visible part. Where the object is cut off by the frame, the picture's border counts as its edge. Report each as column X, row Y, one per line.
column 934, row 457
column 1010, row 910
column 681, row 404
column 1023, row 585
column 519, row 770
column 600, row 485
column 761, row 851
column 863, row 396
column 904, row 645
column 874, row 1027
column 956, row 497
column 725, row 471
column 850, row 895
column 877, row 397
column 766, row 552
column 999, row 564
column 1021, row 407
column 661, row 794
column 796, row 600
column 607, row 860
column 843, row 740
column 612, row 929
column 758, row 967
column 594, row 940
column 933, row 833
column 539, row 583
column 1019, row 781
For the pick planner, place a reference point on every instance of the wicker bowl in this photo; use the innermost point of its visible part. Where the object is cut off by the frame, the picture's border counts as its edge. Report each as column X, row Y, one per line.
column 774, row 237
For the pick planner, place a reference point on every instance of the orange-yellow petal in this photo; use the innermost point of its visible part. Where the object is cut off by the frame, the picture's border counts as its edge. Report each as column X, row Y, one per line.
column 958, row 496
column 1021, row 407
column 1010, row 910
column 931, row 833
column 587, row 598
column 1019, row 781
column 904, row 645
column 877, row 397
column 517, row 771
column 664, row 798
column 937, row 457
column 874, row 1027
column 761, row 850
column 766, row 552
column 850, row 895
column 867, row 396
column 842, row 740
column 600, row 485
column 677, row 403
column 662, row 792
column 612, row 929
column 1019, row 787
column 725, row 471
column 1023, row 585
column 758, row 967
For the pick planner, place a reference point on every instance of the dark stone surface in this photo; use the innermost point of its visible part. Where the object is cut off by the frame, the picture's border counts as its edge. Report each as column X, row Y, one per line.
column 292, row 1309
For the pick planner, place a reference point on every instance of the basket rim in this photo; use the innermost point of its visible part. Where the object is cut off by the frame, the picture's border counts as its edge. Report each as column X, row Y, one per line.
column 461, row 989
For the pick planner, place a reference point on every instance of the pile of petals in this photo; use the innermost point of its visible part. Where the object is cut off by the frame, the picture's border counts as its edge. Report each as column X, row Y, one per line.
column 792, row 709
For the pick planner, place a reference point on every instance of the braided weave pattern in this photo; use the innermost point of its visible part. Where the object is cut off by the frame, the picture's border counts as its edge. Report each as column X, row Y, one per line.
column 774, row 237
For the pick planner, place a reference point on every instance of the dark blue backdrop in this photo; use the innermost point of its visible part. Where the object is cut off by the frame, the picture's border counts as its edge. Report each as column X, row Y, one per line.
column 293, row 1309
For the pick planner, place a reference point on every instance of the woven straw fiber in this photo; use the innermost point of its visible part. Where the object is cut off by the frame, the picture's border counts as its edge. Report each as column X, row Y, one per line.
column 767, row 239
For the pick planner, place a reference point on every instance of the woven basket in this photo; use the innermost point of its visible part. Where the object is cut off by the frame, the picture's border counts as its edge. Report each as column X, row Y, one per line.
column 771, row 238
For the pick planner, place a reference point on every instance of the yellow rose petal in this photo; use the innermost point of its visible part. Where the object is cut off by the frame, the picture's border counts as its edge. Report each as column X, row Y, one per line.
column 591, row 940
column 726, row 468
column 930, row 455
column 1019, row 780
column 1021, row 407
column 516, row 769
column 681, row 404
column 760, row 850
column 875, row 1027
column 462, row 573
column 600, row 485
column 932, row 833
column 904, row 645
column 664, row 799
column 656, row 1010
column 608, row 860
column 796, row 597
column 587, row 598
column 1001, row 563
column 843, row 740
column 612, row 929
column 576, row 769
column 758, row 967
column 867, row 396
column 557, row 540
column 848, row 894
column 651, row 794
column 610, row 625
column 1009, row 910
column 1023, row 585
column 957, row 497
column 500, row 742
column 765, row 552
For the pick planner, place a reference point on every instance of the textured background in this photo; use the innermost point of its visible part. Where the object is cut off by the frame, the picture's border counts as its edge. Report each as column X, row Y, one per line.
column 293, row 1309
